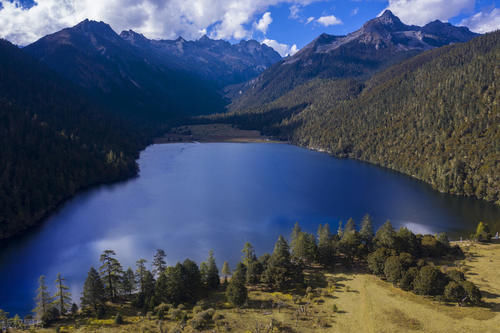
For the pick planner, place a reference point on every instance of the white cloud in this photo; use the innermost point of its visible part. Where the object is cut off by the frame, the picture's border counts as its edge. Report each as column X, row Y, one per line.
column 283, row 49
column 355, row 11
column 310, row 19
column 224, row 19
column 483, row 22
column 264, row 22
column 328, row 20
column 421, row 12
column 294, row 12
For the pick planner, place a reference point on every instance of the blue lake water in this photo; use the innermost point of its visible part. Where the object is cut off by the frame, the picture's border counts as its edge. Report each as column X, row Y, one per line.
column 190, row 198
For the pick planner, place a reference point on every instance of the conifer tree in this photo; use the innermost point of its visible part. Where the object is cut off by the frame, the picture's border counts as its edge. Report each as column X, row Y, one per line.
column 366, row 232
column 236, row 292
column 43, row 298
column 159, row 262
column 280, row 272
column 226, row 271
column 212, row 279
column 93, row 291
column 62, row 297
column 296, row 231
column 140, row 273
column 128, row 281
column 111, row 272
column 326, row 248
column 385, row 236
column 340, row 231
column 350, row 226
column 248, row 254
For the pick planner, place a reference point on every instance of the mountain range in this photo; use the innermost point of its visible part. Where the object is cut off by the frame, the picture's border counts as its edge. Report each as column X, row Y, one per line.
column 378, row 44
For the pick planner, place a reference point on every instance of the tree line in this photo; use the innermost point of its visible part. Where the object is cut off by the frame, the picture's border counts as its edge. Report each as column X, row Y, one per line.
column 397, row 256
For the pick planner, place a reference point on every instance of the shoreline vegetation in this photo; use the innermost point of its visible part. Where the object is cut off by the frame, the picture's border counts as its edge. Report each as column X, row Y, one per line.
column 209, row 133
column 327, row 281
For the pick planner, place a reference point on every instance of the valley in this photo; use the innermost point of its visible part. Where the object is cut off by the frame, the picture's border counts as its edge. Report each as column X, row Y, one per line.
column 383, row 142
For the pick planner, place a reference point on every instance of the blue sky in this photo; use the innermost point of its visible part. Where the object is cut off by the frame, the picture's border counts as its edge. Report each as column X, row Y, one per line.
column 279, row 23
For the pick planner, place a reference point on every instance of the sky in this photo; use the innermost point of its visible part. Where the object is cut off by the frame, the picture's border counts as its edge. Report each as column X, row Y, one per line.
column 285, row 25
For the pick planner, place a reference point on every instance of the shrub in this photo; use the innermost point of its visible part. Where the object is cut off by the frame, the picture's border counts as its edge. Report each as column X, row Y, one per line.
column 455, row 275
column 335, row 308
column 393, row 269
column 472, row 292
column 454, row 292
column 197, row 309
column 406, row 260
column 376, row 260
column 429, row 281
column 406, row 282
column 118, row 319
column 162, row 310
column 483, row 233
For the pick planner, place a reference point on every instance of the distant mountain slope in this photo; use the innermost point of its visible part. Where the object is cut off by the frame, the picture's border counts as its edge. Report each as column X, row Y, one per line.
column 121, row 76
column 435, row 117
column 53, row 142
column 381, row 42
column 214, row 60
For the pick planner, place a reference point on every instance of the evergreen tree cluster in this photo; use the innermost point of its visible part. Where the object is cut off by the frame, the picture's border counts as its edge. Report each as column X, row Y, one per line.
column 398, row 256
column 54, row 142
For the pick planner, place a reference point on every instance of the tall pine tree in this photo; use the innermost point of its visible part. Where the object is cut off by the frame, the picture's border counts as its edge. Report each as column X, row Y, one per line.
column 111, row 272
column 93, row 291
column 62, row 297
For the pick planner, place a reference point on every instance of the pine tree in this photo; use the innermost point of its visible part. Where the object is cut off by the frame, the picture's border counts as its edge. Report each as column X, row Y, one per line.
column 350, row 226
column 128, row 281
column 386, row 236
column 140, row 273
column 366, row 232
column 111, row 272
column 236, row 292
column 326, row 248
column 212, row 275
column 280, row 272
column 93, row 291
column 62, row 297
column 248, row 254
column 43, row 299
column 226, row 271
column 296, row 231
column 159, row 262
column 340, row 231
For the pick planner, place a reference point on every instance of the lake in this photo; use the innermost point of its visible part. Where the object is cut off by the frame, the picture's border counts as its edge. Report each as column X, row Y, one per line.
column 190, row 198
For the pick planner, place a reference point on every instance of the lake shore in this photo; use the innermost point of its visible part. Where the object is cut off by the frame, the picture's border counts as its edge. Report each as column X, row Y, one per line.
column 214, row 133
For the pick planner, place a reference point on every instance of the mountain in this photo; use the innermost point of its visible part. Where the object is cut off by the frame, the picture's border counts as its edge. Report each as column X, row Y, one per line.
column 214, row 60
column 121, row 76
column 54, row 141
column 379, row 43
column 434, row 117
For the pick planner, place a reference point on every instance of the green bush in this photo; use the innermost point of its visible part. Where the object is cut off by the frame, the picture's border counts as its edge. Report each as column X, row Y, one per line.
column 454, row 292
column 455, row 275
column 118, row 319
column 429, row 281
column 376, row 260
column 162, row 310
column 406, row 282
column 393, row 269
column 472, row 292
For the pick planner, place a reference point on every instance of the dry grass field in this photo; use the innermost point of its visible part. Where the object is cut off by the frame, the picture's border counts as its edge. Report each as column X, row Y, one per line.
column 363, row 302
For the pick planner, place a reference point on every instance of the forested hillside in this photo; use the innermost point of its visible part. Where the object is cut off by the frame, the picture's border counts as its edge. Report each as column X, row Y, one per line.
column 378, row 44
column 435, row 117
column 53, row 142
